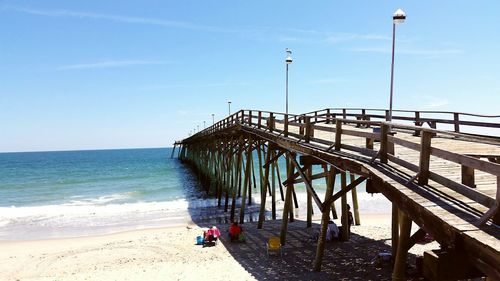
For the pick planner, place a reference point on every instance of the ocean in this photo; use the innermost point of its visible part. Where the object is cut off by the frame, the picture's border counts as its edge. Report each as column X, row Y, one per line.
column 79, row 193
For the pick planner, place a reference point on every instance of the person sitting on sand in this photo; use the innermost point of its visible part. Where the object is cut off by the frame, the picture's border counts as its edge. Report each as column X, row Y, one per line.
column 332, row 231
column 350, row 219
column 235, row 231
column 215, row 231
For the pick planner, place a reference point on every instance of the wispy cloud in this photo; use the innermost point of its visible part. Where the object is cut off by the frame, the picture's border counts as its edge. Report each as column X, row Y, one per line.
column 343, row 37
column 117, row 18
column 431, row 101
column 326, row 81
column 421, row 52
column 111, row 64
column 194, row 85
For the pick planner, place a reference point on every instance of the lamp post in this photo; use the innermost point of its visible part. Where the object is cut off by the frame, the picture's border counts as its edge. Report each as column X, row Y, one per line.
column 288, row 61
column 229, row 105
column 398, row 17
column 213, row 119
column 204, row 125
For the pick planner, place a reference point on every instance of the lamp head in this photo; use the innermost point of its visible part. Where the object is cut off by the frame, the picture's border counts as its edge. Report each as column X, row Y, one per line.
column 288, row 59
column 398, row 17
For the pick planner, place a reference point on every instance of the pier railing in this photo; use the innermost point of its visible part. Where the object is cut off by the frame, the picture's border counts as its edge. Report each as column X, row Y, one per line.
column 382, row 144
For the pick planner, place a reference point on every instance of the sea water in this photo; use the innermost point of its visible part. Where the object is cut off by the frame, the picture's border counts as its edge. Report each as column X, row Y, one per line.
column 77, row 193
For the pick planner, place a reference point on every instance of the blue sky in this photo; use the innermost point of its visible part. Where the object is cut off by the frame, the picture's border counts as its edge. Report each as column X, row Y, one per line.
column 118, row 74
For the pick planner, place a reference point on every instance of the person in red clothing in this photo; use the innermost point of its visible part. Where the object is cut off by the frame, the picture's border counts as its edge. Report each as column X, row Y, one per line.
column 234, row 231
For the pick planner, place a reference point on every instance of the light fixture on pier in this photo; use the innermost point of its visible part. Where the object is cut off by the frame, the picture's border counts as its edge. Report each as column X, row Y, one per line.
column 229, row 104
column 288, row 60
column 213, row 118
column 398, row 18
column 204, row 125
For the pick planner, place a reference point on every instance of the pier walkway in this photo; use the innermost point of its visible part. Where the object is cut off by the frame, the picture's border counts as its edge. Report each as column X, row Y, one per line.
column 440, row 170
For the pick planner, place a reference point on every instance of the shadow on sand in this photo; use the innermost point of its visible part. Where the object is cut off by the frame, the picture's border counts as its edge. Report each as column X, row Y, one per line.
column 352, row 260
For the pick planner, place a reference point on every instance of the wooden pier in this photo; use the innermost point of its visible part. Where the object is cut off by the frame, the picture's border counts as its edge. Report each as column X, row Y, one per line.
column 440, row 170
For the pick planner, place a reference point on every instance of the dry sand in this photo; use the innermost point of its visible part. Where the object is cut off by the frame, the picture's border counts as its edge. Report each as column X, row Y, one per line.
column 171, row 254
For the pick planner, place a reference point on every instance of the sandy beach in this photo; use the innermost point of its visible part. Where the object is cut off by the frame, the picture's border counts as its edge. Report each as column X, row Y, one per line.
column 171, row 254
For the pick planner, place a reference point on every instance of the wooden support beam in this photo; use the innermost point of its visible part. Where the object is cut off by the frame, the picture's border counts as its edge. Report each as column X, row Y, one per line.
column 345, row 212
column 313, row 177
column 417, row 236
column 248, row 175
column 325, row 218
column 307, row 183
column 399, row 272
column 309, row 197
column 263, row 193
column 273, row 186
column 394, row 230
column 355, row 205
column 286, row 208
column 342, row 192
column 448, row 265
column 275, row 157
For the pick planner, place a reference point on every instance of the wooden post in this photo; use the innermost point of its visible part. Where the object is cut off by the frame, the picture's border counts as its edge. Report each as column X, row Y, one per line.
column 290, row 172
column 334, row 210
column 344, row 113
column 307, row 136
column 309, row 196
column 384, row 143
column 273, row 185
column 263, row 192
column 286, row 207
column 271, row 122
column 259, row 121
column 369, row 143
column 247, row 180
column 345, row 212
column 402, row 252
column 328, row 116
column 456, row 122
column 394, row 230
column 338, row 135
column 417, row 123
column 496, row 216
column 355, row 206
column 250, row 117
column 301, row 128
column 468, row 176
column 425, row 154
column 325, row 218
